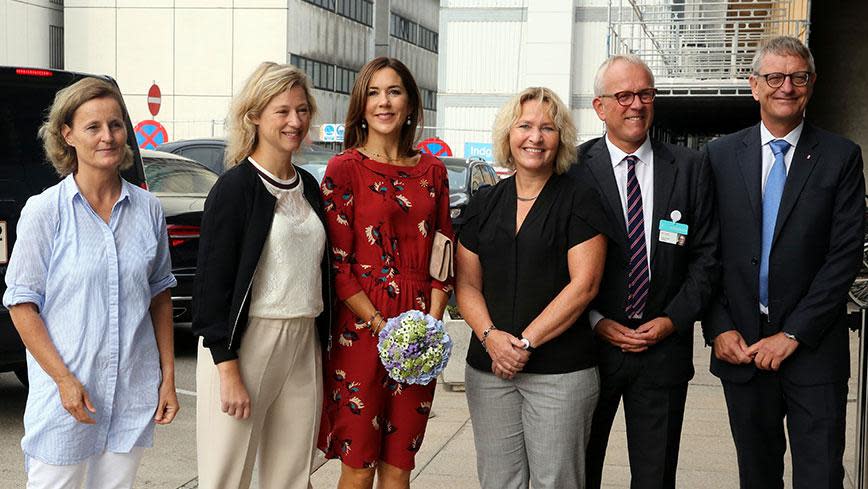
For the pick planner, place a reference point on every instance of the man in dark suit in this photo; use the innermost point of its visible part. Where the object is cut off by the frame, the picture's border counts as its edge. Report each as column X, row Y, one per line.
column 660, row 272
column 790, row 198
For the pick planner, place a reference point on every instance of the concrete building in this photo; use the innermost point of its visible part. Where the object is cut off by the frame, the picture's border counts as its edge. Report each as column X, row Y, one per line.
column 699, row 50
column 31, row 33
column 199, row 52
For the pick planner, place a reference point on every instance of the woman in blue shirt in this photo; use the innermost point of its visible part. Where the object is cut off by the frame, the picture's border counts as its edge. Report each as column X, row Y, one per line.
column 88, row 290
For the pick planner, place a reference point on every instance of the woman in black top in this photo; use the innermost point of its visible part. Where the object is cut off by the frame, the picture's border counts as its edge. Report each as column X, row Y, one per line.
column 530, row 260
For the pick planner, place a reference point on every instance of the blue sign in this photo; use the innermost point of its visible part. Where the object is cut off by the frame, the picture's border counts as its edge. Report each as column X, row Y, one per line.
column 331, row 133
column 481, row 150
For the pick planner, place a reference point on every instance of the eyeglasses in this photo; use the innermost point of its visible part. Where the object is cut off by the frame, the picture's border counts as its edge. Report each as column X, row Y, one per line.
column 798, row 78
column 626, row 97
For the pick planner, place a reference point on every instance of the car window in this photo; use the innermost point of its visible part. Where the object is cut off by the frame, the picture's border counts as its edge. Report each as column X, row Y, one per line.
column 178, row 176
column 489, row 176
column 476, row 178
column 457, row 177
column 210, row 156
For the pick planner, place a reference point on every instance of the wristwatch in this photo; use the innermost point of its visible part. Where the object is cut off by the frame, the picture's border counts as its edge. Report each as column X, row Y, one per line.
column 527, row 346
column 791, row 336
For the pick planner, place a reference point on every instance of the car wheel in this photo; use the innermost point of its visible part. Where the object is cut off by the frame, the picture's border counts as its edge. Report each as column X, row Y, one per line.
column 21, row 373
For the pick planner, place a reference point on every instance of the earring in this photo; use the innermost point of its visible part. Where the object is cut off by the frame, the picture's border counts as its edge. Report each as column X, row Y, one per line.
column 364, row 125
column 408, row 120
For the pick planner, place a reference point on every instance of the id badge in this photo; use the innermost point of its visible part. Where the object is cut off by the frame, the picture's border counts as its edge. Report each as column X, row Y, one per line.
column 673, row 232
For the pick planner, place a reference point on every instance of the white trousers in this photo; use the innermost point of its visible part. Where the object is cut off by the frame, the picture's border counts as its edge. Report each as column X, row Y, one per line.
column 281, row 365
column 103, row 471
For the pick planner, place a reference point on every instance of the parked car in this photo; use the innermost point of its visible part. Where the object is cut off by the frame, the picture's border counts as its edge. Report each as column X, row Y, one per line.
column 209, row 152
column 25, row 95
column 181, row 185
column 466, row 176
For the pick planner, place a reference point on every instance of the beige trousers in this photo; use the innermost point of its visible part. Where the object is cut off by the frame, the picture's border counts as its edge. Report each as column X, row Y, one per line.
column 281, row 366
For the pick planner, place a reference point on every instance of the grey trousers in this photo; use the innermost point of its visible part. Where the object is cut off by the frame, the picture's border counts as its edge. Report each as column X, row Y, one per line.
column 533, row 428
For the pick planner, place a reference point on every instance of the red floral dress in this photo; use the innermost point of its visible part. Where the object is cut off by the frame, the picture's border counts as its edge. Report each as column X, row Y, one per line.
column 381, row 220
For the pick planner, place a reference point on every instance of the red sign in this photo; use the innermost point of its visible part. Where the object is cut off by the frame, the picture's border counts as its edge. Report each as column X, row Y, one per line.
column 150, row 134
column 435, row 146
column 154, row 99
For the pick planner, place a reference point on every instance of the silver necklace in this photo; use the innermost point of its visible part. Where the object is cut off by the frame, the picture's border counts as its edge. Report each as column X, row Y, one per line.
column 526, row 199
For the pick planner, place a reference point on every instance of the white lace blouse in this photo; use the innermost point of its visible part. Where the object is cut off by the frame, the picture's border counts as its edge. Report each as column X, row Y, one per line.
column 288, row 282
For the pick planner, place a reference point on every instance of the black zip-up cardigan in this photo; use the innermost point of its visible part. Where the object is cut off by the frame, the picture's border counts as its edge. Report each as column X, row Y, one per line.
column 236, row 222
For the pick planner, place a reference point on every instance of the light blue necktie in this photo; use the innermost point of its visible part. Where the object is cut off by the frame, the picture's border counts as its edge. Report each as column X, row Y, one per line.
column 771, row 203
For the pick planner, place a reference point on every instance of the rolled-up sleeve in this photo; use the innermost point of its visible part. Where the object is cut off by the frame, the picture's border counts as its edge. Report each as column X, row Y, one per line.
column 161, row 277
column 28, row 268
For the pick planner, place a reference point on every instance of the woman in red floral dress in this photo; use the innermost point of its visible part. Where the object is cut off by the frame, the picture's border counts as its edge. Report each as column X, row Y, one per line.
column 384, row 202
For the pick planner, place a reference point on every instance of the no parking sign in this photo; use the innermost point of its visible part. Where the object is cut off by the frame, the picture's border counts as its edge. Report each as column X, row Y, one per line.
column 150, row 134
column 435, row 146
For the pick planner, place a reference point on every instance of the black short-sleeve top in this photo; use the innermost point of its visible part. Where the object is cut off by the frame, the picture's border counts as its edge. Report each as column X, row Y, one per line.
column 522, row 273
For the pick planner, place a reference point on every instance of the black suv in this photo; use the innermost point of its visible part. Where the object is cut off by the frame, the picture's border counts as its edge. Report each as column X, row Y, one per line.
column 25, row 95
column 465, row 178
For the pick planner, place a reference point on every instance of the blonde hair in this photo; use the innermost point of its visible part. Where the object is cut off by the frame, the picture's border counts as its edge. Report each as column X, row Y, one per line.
column 61, row 155
column 560, row 115
column 267, row 81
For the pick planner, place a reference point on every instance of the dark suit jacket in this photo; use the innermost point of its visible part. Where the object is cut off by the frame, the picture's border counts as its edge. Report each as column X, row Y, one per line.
column 815, row 255
column 682, row 277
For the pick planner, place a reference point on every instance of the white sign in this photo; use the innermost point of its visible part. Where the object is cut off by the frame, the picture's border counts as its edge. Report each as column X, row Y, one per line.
column 332, row 133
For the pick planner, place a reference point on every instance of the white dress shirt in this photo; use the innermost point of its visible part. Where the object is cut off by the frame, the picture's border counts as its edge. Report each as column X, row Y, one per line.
column 769, row 159
column 645, row 174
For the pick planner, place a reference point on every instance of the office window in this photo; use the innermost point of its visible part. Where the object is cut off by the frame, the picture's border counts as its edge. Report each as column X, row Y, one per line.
column 55, row 47
column 428, row 39
column 344, row 79
column 429, row 98
column 404, row 29
column 326, row 4
column 322, row 75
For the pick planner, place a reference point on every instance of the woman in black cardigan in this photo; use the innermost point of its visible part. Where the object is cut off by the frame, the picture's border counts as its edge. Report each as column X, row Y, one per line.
column 262, row 297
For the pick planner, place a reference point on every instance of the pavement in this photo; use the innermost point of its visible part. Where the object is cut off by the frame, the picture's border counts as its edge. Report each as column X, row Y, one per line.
column 447, row 459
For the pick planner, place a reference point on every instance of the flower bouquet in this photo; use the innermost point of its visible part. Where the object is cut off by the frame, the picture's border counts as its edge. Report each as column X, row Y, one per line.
column 414, row 347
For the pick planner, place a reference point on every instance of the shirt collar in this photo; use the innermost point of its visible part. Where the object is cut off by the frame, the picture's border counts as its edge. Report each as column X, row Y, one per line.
column 644, row 153
column 70, row 189
column 793, row 137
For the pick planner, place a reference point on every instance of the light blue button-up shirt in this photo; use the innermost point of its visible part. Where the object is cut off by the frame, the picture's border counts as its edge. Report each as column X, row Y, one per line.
column 93, row 283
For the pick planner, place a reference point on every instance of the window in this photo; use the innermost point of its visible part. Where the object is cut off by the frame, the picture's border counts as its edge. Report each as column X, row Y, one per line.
column 428, row 39
column 344, row 79
column 361, row 11
column 326, row 4
column 407, row 30
column 404, row 29
column 322, row 75
column 55, row 47
column 56, row 2
column 429, row 99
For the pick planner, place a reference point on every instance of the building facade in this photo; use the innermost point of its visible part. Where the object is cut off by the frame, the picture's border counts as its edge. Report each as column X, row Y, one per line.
column 199, row 52
column 31, row 33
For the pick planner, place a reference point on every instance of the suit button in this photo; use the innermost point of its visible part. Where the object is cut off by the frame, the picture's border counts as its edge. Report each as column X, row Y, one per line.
column 754, row 260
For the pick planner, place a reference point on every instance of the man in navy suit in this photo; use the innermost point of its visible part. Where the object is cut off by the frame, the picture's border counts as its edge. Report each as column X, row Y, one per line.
column 791, row 205
column 661, row 271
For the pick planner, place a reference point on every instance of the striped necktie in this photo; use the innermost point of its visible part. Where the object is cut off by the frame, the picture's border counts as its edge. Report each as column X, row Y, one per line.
column 638, row 280
column 771, row 202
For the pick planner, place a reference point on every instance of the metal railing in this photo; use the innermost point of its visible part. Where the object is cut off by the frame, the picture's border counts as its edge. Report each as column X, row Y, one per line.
column 701, row 42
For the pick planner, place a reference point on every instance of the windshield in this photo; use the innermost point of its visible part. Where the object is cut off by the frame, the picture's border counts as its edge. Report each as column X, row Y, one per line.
column 315, row 169
column 457, row 177
column 175, row 176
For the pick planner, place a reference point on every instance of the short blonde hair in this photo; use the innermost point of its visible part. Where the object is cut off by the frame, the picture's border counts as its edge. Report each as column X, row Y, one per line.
column 560, row 114
column 61, row 155
column 267, row 81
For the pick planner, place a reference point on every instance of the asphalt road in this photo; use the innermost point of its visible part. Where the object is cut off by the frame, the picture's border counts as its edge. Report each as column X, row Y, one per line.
column 170, row 464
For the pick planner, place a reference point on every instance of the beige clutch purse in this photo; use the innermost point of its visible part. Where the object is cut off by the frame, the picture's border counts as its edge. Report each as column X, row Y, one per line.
column 441, row 267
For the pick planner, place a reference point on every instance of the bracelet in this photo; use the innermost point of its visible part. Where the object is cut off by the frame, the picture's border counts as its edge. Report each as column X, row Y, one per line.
column 379, row 325
column 485, row 335
column 370, row 321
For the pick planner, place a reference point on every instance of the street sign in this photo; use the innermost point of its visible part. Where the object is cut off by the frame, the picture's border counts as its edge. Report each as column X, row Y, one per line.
column 155, row 98
column 150, row 134
column 435, row 146
column 481, row 150
column 333, row 133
